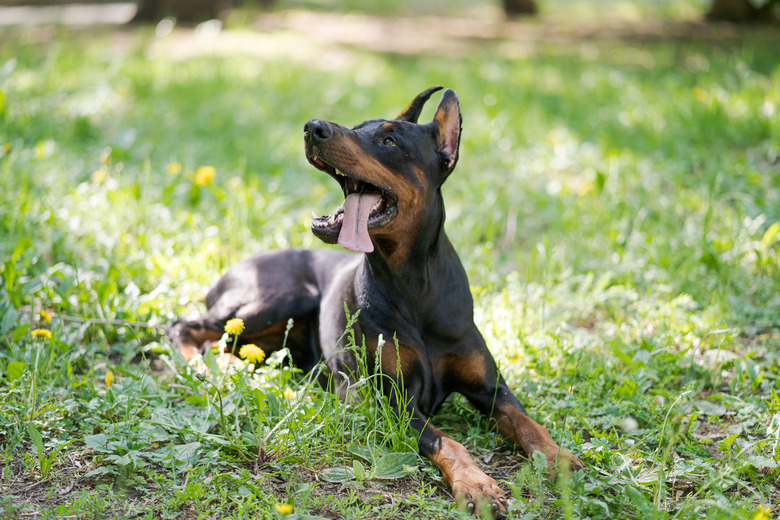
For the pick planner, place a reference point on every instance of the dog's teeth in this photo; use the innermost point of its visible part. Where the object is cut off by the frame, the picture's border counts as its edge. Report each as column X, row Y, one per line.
column 340, row 173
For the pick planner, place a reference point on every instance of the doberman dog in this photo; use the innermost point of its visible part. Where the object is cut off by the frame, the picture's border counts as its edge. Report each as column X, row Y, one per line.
column 408, row 283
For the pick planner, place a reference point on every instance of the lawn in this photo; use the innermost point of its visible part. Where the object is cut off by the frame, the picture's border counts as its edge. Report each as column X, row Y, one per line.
column 616, row 206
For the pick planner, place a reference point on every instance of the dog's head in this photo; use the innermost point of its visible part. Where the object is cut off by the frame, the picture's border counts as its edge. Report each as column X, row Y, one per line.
column 390, row 173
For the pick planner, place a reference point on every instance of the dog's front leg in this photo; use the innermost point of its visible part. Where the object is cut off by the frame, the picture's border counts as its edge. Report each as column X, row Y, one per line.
column 514, row 424
column 470, row 486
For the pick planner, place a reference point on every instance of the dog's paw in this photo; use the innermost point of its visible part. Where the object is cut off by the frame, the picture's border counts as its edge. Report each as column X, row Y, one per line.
column 479, row 494
column 562, row 460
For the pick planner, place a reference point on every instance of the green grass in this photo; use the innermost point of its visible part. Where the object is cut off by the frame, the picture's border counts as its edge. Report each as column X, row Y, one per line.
column 616, row 205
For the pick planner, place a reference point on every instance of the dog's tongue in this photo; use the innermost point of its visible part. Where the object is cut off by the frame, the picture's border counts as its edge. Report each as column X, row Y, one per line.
column 354, row 227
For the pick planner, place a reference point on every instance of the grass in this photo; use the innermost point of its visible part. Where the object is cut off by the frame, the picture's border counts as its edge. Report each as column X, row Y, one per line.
column 616, row 206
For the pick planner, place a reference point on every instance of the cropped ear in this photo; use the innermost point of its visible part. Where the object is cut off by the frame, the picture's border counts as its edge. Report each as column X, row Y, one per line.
column 447, row 123
column 412, row 112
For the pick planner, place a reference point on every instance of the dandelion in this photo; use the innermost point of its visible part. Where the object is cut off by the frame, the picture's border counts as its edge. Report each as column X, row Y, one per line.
column 205, row 175
column 173, row 168
column 41, row 333
column 234, row 326
column 109, row 379
column 7, row 147
column 762, row 514
column 700, row 94
column 99, row 176
column 283, row 509
column 45, row 316
column 289, row 393
column 252, row 353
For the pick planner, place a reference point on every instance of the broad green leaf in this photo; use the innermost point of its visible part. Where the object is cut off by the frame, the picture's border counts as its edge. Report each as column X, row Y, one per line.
column 8, row 321
column 338, row 474
column 185, row 452
column 639, row 501
column 365, row 452
column 359, row 469
column 15, row 370
column 20, row 332
column 710, row 408
column 36, row 437
column 102, row 470
column 760, row 462
column 97, row 442
column 395, row 465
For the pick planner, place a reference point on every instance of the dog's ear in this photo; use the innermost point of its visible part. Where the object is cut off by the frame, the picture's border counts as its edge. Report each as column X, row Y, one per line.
column 447, row 125
column 412, row 112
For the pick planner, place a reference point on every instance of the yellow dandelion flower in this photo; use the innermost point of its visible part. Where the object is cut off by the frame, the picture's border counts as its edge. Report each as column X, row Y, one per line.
column 99, row 176
column 45, row 316
column 7, row 147
column 283, row 509
column 109, row 379
column 41, row 333
column 289, row 393
column 252, row 353
column 205, row 175
column 173, row 168
column 762, row 514
column 234, row 326
column 700, row 94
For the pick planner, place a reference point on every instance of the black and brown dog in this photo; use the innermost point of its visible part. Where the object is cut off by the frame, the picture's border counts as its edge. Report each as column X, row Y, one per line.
column 407, row 284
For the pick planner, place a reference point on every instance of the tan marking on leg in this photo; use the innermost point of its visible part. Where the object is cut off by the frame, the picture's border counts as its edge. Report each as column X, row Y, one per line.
column 392, row 358
column 532, row 436
column 469, row 484
column 469, row 368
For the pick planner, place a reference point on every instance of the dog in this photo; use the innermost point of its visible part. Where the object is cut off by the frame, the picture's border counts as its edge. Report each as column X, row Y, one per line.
column 406, row 283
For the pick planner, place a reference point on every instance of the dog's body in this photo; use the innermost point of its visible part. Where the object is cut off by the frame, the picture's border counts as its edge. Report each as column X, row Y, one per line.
column 408, row 287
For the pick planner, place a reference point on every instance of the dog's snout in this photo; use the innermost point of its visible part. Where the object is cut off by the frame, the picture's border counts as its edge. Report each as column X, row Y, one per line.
column 317, row 130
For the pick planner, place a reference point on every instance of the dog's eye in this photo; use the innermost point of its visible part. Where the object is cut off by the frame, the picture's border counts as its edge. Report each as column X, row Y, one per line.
column 388, row 141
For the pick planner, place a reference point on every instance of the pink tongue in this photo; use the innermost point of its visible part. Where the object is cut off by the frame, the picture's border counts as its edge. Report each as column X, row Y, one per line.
column 354, row 227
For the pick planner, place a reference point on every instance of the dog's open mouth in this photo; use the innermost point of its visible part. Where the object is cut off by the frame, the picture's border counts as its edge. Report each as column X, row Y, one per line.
column 366, row 207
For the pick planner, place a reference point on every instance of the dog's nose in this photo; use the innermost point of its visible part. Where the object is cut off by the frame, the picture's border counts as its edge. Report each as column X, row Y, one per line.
column 317, row 130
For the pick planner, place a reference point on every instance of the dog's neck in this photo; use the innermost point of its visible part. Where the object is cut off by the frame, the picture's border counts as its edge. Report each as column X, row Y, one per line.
column 405, row 263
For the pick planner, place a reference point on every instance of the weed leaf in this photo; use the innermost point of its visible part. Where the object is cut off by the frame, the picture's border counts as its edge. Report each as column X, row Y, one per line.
column 10, row 315
column 539, row 462
column 97, row 442
column 338, row 474
column 710, row 408
column 15, row 370
column 639, row 501
column 36, row 437
column 395, row 466
column 360, row 470
column 761, row 463
column 102, row 470
column 366, row 453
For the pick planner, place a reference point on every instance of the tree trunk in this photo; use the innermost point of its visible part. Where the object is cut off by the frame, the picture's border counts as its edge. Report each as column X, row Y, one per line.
column 519, row 7
column 742, row 11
